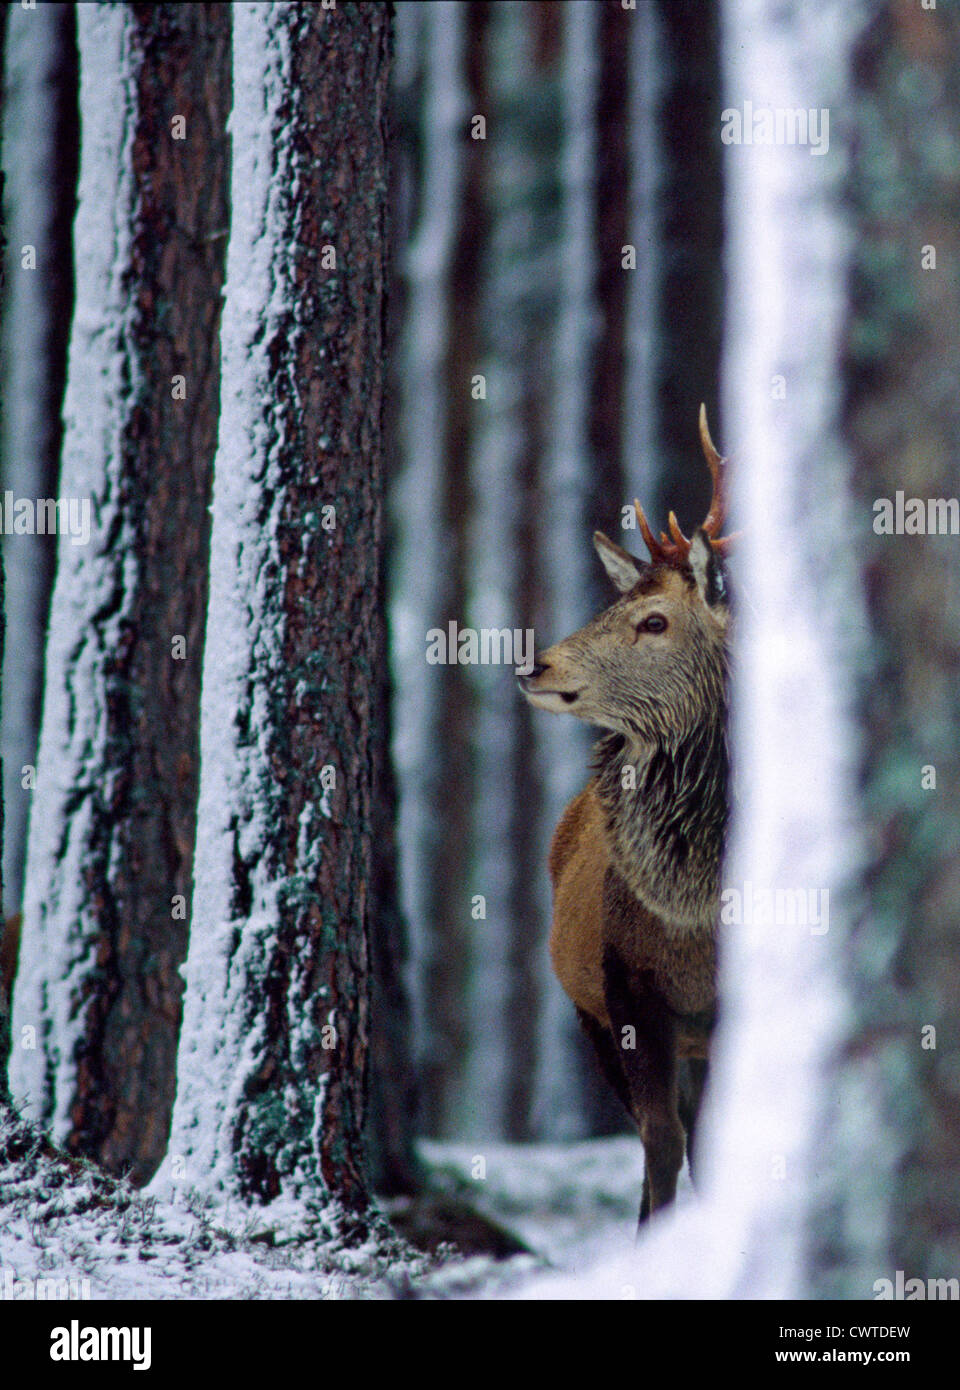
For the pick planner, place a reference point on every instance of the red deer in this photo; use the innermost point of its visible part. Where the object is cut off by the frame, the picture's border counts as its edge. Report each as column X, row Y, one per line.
column 636, row 858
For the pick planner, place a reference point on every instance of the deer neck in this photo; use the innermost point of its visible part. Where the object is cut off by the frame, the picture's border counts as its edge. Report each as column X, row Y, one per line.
column 665, row 803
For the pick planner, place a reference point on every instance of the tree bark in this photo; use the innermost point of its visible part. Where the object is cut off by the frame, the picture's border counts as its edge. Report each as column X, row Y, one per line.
column 271, row 1073
column 112, row 828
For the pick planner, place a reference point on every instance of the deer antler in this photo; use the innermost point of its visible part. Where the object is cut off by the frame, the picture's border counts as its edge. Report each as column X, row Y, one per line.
column 674, row 552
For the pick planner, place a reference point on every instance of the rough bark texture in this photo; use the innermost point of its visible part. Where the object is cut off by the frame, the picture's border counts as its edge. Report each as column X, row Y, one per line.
column 339, row 74
column 142, row 854
column 273, row 1050
column 129, row 817
column 340, row 68
column 903, row 426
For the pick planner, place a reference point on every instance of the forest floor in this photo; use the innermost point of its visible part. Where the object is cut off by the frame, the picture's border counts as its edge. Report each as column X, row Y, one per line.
column 537, row 1212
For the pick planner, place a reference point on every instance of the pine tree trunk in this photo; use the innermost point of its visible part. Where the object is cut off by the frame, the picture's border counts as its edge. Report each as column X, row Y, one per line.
column 41, row 136
column 896, row 1202
column 393, row 1110
column 447, row 975
column 270, row 1094
column 433, row 37
column 612, row 231
column 690, row 310
column 567, row 1092
column 112, row 824
column 5, row 978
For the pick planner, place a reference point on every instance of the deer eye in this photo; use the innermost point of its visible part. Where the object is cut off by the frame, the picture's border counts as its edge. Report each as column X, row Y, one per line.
column 654, row 622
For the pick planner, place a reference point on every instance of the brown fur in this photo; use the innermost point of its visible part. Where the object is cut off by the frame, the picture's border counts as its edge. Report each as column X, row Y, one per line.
column 578, row 863
column 635, row 865
column 684, row 965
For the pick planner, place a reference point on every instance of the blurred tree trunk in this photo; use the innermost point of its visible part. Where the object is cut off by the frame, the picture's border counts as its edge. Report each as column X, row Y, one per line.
column 449, row 893
column 273, row 1052
column 394, row 1093
column 392, row 1114
column 6, row 976
column 612, row 231
column 517, row 306
column 897, row 1205
column 565, row 1086
column 41, row 148
column 691, row 286
column 432, row 774
column 112, row 829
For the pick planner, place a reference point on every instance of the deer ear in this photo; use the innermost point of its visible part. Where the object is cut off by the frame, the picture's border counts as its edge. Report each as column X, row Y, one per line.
column 708, row 573
column 622, row 568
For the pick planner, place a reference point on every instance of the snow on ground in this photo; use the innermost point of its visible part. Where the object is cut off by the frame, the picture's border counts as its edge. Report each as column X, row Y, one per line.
column 570, row 1205
column 566, row 1202
column 66, row 1220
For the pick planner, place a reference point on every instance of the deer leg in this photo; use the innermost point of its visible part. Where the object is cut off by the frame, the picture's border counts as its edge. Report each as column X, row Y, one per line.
column 693, row 1078
column 644, row 1031
column 607, row 1056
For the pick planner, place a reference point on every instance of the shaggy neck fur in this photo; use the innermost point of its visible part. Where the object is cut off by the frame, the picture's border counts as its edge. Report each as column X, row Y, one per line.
column 666, row 835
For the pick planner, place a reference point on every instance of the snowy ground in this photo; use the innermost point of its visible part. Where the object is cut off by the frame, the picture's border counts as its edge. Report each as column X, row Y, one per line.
column 569, row 1205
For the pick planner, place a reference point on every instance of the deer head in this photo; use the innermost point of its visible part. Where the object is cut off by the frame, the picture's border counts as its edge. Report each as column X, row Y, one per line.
column 652, row 665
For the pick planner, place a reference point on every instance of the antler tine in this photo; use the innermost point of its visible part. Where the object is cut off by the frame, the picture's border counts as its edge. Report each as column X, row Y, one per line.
column 662, row 551
column 713, row 522
column 676, row 551
column 680, row 540
column 652, row 544
column 722, row 544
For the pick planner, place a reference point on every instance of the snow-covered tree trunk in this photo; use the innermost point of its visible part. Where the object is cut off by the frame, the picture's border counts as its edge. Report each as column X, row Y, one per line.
column 40, row 159
column 516, row 303
column 270, row 1076
column 745, row 1232
column 568, row 1087
column 434, row 41
column 796, row 814
column 97, row 1004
